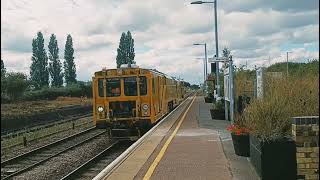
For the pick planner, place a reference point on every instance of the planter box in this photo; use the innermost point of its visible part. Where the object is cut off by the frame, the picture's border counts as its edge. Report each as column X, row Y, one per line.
column 274, row 160
column 217, row 114
column 207, row 99
column 241, row 144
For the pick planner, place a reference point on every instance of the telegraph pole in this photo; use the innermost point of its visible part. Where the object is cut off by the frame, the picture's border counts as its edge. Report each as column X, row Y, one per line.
column 288, row 63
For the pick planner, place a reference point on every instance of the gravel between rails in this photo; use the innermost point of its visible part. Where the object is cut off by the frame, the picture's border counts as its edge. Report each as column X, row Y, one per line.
column 100, row 166
column 61, row 165
column 91, row 169
column 44, row 154
column 20, row 149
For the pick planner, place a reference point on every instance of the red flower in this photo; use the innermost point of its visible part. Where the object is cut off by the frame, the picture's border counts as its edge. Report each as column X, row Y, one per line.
column 237, row 129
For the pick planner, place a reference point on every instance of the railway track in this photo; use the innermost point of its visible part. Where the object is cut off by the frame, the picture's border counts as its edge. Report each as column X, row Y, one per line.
column 93, row 166
column 24, row 162
column 28, row 135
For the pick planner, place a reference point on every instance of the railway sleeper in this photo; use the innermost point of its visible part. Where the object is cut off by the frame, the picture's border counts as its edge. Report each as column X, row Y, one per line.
column 125, row 134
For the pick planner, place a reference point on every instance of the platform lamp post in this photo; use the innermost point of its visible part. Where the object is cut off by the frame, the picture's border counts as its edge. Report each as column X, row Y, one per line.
column 205, row 64
column 204, row 76
column 216, row 38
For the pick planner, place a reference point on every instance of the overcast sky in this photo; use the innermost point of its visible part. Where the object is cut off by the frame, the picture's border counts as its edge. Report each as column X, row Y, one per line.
column 163, row 30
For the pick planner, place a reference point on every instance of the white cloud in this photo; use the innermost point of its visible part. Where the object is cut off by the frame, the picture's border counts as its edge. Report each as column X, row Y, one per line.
column 164, row 32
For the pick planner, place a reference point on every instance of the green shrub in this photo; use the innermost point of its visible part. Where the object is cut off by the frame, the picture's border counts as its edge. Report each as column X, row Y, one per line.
column 73, row 90
column 5, row 98
column 13, row 85
column 86, row 89
column 45, row 93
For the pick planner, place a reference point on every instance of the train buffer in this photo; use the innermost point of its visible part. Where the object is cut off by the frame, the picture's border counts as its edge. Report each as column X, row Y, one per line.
column 187, row 144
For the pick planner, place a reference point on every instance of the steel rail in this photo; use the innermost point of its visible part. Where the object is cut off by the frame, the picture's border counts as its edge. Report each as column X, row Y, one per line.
column 81, row 169
column 16, row 158
column 27, row 167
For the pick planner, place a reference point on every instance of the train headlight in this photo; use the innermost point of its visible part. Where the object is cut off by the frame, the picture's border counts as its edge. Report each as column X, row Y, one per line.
column 100, row 109
column 145, row 113
column 145, row 106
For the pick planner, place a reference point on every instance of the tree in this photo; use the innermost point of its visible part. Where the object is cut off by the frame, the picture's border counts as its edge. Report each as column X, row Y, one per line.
column 55, row 64
column 126, row 50
column 195, row 86
column 39, row 66
column 226, row 53
column 3, row 69
column 130, row 49
column 3, row 80
column 16, row 84
column 69, row 65
column 121, row 56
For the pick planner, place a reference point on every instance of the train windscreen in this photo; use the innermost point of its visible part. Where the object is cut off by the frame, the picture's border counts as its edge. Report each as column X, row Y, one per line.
column 113, row 87
column 100, row 87
column 130, row 86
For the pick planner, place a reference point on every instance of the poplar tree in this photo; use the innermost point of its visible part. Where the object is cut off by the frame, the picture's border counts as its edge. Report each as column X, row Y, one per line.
column 55, row 67
column 121, row 56
column 69, row 65
column 3, row 69
column 126, row 50
column 130, row 49
column 39, row 74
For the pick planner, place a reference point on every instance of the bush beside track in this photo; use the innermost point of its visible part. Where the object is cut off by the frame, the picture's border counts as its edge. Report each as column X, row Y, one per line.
column 52, row 93
column 47, row 93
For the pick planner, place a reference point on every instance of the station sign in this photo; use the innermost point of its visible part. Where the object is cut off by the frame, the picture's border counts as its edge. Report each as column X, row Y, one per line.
column 259, row 75
column 226, row 85
column 211, row 60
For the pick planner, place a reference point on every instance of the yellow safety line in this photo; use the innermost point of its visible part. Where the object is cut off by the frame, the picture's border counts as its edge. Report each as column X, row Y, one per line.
column 165, row 146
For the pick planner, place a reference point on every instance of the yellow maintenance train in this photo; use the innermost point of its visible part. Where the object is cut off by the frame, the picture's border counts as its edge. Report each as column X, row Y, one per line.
column 129, row 100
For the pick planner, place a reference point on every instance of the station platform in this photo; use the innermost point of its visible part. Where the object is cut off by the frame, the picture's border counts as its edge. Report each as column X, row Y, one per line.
column 188, row 144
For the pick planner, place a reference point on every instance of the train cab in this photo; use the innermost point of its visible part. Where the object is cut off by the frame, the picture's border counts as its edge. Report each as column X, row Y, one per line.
column 132, row 97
